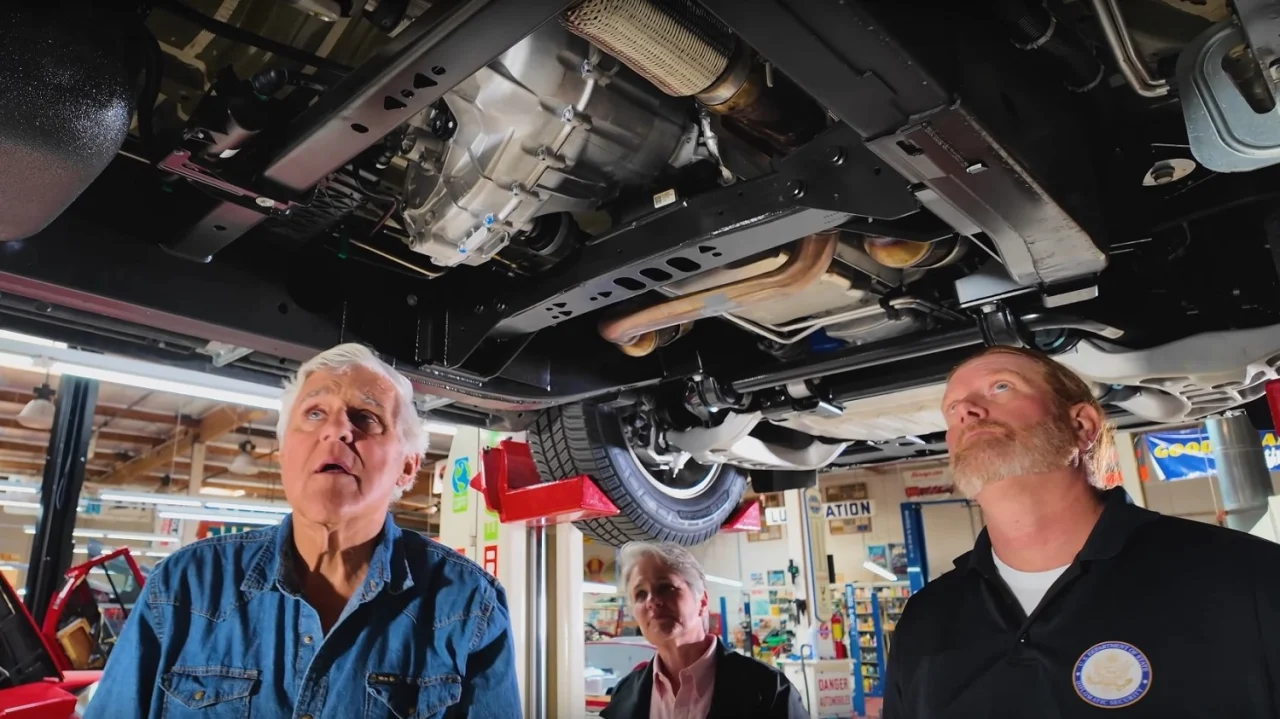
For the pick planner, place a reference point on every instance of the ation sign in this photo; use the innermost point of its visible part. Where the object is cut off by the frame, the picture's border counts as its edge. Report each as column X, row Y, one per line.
column 850, row 509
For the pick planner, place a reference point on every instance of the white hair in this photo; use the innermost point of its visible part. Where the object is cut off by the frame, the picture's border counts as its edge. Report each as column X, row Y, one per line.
column 671, row 555
column 337, row 360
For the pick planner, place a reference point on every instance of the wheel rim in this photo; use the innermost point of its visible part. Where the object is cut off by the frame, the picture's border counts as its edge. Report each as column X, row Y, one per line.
column 693, row 479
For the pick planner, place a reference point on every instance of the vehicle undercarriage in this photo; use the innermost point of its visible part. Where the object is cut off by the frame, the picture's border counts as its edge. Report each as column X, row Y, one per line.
column 677, row 242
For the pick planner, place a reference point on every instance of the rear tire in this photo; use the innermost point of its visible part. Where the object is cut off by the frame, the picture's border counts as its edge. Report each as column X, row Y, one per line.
column 586, row 438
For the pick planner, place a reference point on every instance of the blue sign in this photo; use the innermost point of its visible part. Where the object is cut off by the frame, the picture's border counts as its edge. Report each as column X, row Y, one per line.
column 1187, row 453
column 460, row 477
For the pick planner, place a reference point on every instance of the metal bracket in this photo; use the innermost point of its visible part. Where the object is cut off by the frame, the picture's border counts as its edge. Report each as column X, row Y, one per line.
column 1225, row 132
column 1000, row 327
column 815, row 188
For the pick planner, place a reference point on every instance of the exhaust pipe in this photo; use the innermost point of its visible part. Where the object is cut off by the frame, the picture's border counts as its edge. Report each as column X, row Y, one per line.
column 639, row 333
column 685, row 51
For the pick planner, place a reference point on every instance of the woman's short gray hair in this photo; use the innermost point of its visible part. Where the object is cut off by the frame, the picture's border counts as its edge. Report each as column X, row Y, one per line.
column 669, row 554
column 411, row 430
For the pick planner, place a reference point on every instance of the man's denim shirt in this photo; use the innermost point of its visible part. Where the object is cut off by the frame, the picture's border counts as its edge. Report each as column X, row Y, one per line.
column 220, row 630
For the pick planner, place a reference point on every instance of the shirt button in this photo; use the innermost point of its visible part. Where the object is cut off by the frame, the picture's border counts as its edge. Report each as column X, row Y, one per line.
column 198, row 695
column 306, row 639
column 305, row 716
column 1023, row 639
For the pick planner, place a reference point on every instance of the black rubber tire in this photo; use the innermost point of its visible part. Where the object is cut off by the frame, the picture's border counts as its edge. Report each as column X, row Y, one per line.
column 586, row 438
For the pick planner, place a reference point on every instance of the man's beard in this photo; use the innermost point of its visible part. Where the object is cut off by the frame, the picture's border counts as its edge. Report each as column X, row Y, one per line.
column 1044, row 447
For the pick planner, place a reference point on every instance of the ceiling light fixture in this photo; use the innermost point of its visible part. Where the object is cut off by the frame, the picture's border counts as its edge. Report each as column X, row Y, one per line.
column 156, row 499
column 244, row 463
column 18, row 503
column 721, row 580
column 598, row 588
column 878, row 570
column 30, row 339
column 221, row 492
column 247, row 507
column 132, row 537
column 18, row 488
column 442, row 428
column 38, row 413
column 224, row 517
column 164, row 385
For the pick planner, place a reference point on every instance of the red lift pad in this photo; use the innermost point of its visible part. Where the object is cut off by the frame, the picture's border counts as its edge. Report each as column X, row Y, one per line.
column 511, row 487
column 746, row 518
column 1273, row 400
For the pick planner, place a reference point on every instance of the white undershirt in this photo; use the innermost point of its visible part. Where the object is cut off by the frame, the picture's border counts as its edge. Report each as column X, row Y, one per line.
column 1028, row 587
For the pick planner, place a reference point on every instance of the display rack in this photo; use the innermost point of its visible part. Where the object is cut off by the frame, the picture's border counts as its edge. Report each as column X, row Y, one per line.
column 868, row 654
column 892, row 598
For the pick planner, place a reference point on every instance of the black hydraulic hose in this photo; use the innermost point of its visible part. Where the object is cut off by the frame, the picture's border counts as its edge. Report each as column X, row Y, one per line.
column 1034, row 29
column 231, row 32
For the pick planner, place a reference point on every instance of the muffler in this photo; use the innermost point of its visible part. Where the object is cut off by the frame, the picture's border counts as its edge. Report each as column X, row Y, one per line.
column 642, row 331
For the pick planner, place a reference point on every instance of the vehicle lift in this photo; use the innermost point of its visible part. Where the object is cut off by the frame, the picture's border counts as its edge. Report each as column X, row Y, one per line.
column 523, row 516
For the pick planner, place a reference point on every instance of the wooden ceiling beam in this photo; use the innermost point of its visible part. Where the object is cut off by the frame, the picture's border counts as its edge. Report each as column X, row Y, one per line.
column 219, row 421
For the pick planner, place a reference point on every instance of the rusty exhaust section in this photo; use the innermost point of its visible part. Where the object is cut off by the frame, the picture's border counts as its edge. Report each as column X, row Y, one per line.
column 638, row 333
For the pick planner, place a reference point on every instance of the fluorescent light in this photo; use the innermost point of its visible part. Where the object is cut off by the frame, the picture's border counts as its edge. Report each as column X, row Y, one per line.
column 13, row 361
column 247, row 507
column 157, row 499
column 156, row 554
column 133, row 537
column 19, row 503
column 18, row 489
column 164, row 385
column 876, row 569
column 30, row 339
column 598, row 588
column 442, row 428
column 221, row 492
column 86, row 533
column 224, row 517
column 722, row 580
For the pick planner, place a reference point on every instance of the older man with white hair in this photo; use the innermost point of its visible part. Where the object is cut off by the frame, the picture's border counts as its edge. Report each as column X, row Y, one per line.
column 693, row 676
column 335, row 612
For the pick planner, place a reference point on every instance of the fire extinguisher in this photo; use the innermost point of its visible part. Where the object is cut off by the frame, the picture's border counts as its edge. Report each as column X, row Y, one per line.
column 837, row 635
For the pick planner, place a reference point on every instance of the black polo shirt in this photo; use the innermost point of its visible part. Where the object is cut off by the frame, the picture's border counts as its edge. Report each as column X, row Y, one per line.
column 1156, row 617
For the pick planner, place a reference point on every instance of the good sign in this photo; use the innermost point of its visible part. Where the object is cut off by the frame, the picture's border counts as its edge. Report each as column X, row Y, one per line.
column 847, row 510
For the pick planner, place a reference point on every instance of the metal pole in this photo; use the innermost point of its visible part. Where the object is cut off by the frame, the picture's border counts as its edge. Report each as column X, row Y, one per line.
column 806, row 543
column 537, row 607
column 1241, row 469
column 64, row 463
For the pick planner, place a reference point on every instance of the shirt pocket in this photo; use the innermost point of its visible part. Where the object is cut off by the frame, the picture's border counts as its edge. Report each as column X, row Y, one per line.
column 392, row 696
column 208, row 692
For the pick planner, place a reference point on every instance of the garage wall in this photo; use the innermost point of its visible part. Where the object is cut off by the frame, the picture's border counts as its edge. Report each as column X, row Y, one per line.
column 950, row 529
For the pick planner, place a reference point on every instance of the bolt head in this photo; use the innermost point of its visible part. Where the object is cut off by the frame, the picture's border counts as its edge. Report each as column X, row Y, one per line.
column 479, row 309
column 796, row 189
column 265, row 202
column 976, row 167
column 412, row 300
column 1163, row 174
column 501, row 307
column 836, row 155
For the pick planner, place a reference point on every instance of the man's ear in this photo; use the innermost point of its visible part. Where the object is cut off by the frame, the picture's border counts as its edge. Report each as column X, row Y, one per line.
column 409, row 473
column 1087, row 422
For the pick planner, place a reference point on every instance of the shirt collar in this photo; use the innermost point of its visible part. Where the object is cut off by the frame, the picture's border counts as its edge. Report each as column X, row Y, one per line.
column 695, row 674
column 273, row 565
column 1120, row 518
